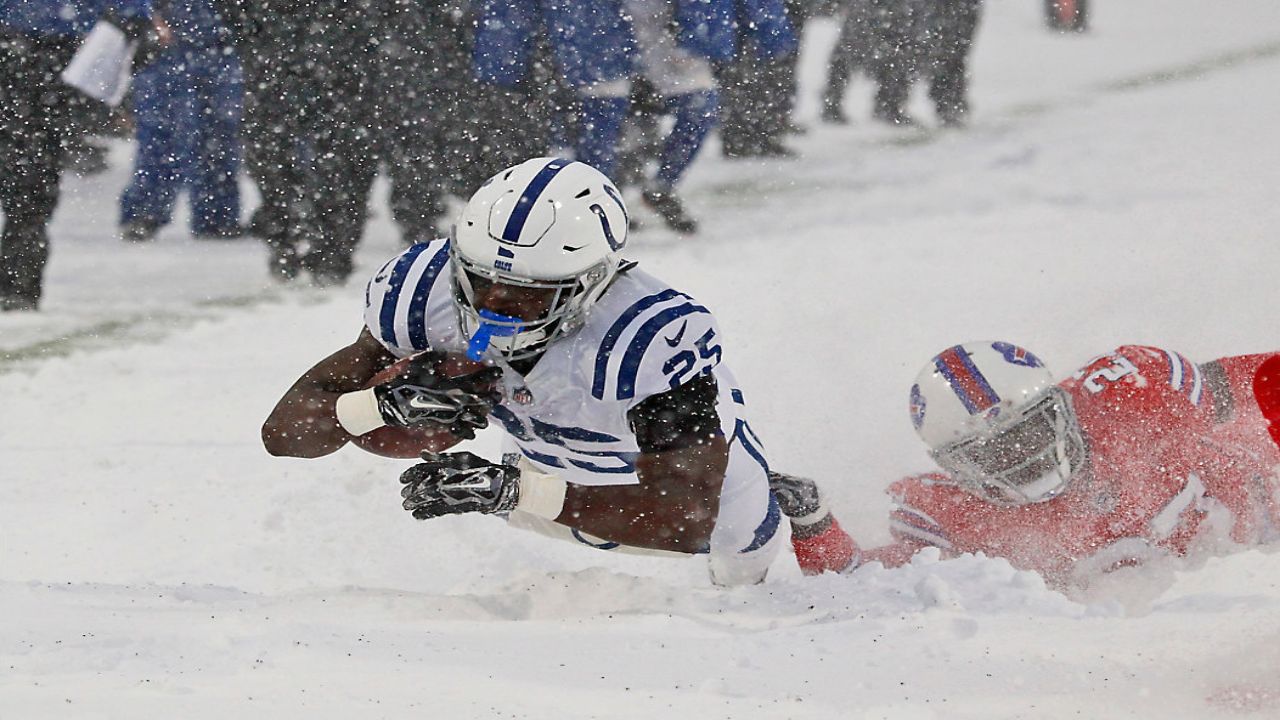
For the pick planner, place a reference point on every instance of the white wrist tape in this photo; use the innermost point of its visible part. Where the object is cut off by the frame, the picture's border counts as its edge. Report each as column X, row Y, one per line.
column 541, row 494
column 358, row 412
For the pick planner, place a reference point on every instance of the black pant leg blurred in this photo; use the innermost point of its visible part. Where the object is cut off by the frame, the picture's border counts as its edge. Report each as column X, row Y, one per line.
column 896, row 29
column 752, row 103
column 852, row 52
column 35, row 118
column 952, row 26
column 350, row 132
column 279, row 113
column 425, row 68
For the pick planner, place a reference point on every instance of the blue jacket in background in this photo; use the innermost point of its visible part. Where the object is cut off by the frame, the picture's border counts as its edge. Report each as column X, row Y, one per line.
column 592, row 40
column 711, row 28
column 65, row 18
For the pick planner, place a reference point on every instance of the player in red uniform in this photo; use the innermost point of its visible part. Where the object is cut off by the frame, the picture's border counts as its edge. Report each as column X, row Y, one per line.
column 1141, row 453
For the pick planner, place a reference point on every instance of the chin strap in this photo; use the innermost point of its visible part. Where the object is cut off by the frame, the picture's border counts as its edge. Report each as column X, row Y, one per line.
column 489, row 328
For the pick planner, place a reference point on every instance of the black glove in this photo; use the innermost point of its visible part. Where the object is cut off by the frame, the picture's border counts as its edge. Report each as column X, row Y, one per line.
column 422, row 396
column 452, row 483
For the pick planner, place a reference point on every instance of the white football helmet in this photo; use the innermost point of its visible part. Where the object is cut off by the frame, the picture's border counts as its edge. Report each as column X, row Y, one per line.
column 993, row 418
column 547, row 223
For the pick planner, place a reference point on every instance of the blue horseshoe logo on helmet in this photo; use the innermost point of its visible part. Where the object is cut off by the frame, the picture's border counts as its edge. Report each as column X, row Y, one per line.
column 604, row 225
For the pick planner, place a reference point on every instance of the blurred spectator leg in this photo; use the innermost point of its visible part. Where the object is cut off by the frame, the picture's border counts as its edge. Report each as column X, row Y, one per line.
column 417, row 66
column 347, row 160
column 896, row 27
column 603, row 110
column 512, row 125
column 163, row 111
column 215, row 189
column 798, row 12
column 695, row 116
column 35, row 109
column 953, row 23
column 276, row 144
column 852, row 52
column 417, row 187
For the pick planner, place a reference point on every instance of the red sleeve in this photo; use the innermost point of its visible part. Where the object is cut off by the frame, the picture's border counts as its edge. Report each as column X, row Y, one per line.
column 1136, row 397
column 926, row 511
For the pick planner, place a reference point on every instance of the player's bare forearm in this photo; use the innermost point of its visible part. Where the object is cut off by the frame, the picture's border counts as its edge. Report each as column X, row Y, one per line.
column 303, row 423
column 673, row 508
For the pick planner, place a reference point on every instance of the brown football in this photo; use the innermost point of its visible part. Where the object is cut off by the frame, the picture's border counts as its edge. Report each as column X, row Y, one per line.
column 409, row 443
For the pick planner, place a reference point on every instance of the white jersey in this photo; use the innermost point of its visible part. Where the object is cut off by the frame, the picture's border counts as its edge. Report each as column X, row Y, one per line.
column 568, row 416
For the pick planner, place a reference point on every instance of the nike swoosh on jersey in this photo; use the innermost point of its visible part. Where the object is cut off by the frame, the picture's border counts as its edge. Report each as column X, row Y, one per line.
column 674, row 341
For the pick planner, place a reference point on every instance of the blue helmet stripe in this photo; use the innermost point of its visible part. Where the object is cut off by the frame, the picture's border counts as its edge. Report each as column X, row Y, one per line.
column 418, row 304
column 640, row 343
column 515, row 223
column 387, row 315
column 615, row 332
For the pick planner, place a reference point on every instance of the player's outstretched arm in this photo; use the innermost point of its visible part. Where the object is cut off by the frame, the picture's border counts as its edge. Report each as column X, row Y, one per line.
column 683, row 456
column 303, row 423
column 673, row 508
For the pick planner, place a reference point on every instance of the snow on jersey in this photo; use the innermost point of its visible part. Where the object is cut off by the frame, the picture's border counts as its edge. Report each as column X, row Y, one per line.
column 1176, row 452
column 569, row 414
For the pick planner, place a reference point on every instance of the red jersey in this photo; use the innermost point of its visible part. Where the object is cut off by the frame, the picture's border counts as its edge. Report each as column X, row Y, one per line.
column 1175, row 450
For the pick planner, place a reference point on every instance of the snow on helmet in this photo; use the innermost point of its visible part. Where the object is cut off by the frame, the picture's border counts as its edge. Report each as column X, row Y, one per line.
column 993, row 417
column 546, row 224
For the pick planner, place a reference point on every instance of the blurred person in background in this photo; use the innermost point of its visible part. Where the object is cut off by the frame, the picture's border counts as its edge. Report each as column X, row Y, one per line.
column 950, row 30
column 187, row 108
column 588, row 44
column 853, row 52
column 273, row 39
column 431, row 136
column 925, row 39
column 680, row 77
column 753, row 88
column 37, row 112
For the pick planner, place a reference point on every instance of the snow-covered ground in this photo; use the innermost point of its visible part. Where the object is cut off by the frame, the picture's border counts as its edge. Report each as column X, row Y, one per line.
column 1117, row 186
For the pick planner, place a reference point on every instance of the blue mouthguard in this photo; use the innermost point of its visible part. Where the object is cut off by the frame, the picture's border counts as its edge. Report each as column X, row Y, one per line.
column 480, row 341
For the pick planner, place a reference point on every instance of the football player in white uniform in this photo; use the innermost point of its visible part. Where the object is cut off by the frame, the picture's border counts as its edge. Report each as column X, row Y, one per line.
column 625, row 429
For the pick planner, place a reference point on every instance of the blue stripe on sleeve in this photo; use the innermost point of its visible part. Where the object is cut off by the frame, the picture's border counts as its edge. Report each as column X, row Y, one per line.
column 557, row 434
column 615, row 332
column 515, row 223
column 418, row 305
column 545, row 459
column 768, row 527
column 387, row 316
column 604, row 545
column 640, row 343
column 740, row 432
column 592, row 467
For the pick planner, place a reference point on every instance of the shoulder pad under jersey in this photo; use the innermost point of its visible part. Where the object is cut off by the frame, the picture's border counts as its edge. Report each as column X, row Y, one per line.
column 652, row 345
column 396, row 298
